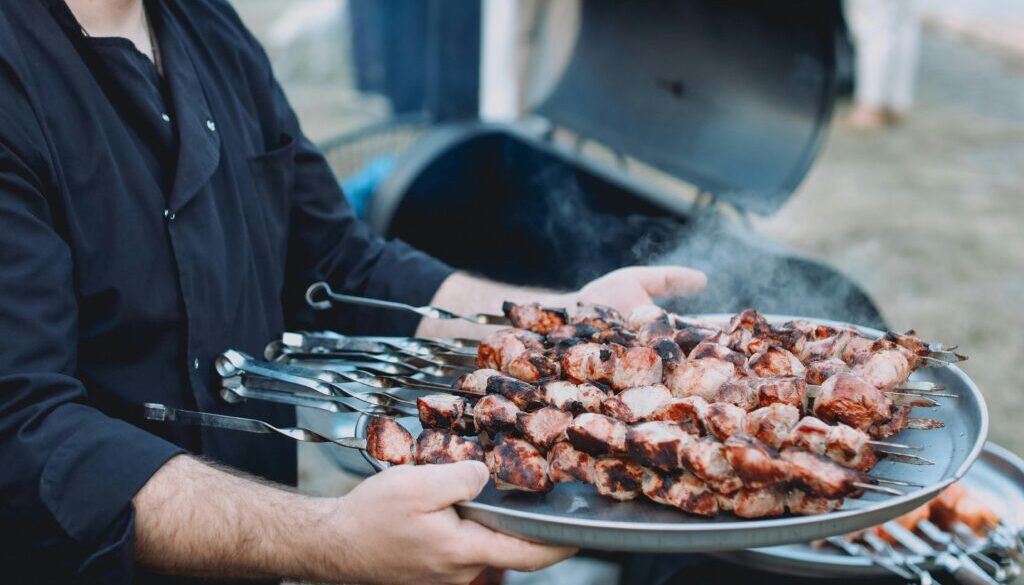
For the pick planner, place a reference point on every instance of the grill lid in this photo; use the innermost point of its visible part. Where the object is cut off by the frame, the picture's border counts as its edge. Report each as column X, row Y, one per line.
column 731, row 97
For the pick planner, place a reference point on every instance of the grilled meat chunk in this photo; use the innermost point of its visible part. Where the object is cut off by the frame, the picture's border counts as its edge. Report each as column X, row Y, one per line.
column 820, row 475
column 434, row 446
column 723, row 420
column 781, row 390
column 534, row 317
column 912, row 343
column 518, row 465
column 819, row 371
column 475, row 382
column 543, row 427
column 687, row 412
column 802, row 503
column 739, row 392
column 494, row 414
column 683, row 491
column 501, row 347
column 618, row 478
column 568, row 464
column 589, row 362
column 522, row 394
column 691, row 336
column 440, row 411
column 850, row 399
column 597, row 434
column 571, row 333
column 771, row 424
column 636, row 366
column 388, row 441
column 669, row 351
column 884, row 369
column 533, row 365
column 572, row 397
column 755, row 503
column 644, row 314
column 899, row 417
column 755, row 464
column 658, row 444
column 709, row 349
column 636, row 404
column 705, row 458
column 775, row 361
column 843, row 444
column 700, row 377
column 598, row 316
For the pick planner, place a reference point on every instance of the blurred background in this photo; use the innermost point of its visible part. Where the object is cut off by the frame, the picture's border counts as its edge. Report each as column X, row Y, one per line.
column 884, row 183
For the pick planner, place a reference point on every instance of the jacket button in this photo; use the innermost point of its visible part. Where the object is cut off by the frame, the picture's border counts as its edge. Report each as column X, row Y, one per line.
column 169, row 215
column 211, row 126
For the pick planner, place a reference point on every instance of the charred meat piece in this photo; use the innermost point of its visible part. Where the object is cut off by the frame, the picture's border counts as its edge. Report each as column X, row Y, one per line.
column 501, row 347
column 820, row 475
column 899, row 417
column 709, row 349
column 475, row 382
column 654, row 331
column 689, row 413
column 568, row 464
column 856, row 346
column 701, row 377
column 791, row 339
column 644, row 314
column 705, row 458
column 912, row 343
column 739, row 392
column 518, row 465
column 543, row 427
column 771, row 424
column 617, row 478
column 533, row 365
column 750, row 320
column 597, row 434
column 810, row 433
column 388, row 441
column 691, row 336
column 759, row 503
column 434, row 446
column 884, row 369
column 598, row 316
column 723, row 420
column 670, row 353
column 636, row 366
column 849, row 447
column 615, row 336
column 775, row 361
column 658, row 444
column 495, row 413
column 781, row 390
column 802, row 503
column 636, row 404
column 683, row 491
column 819, row 371
column 440, row 411
column 827, row 347
column 756, row 465
column 522, row 394
column 534, row 317
column 464, row 425
column 811, row 330
column 571, row 397
column 589, row 362
column 850, row 399
column 571, row 332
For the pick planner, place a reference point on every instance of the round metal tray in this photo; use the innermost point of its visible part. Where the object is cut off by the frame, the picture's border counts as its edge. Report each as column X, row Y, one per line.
column 574, row 514
column 997, row 476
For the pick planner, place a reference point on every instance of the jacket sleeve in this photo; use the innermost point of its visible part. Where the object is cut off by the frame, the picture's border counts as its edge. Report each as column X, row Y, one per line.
column 69, row 471
column 328, row 242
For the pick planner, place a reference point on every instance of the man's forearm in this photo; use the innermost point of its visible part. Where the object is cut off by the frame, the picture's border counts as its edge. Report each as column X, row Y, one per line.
column 197, row 520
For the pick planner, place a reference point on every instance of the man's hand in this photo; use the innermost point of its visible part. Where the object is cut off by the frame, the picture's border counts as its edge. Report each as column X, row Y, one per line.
column 400, row 527
column 627, row 288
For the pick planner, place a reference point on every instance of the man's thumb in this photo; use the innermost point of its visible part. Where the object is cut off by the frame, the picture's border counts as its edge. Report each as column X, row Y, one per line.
column 444, row 485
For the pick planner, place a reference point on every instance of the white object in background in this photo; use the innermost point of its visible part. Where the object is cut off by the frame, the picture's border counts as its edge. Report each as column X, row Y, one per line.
column 499, row 87
column 305, row 36
column 887, row 35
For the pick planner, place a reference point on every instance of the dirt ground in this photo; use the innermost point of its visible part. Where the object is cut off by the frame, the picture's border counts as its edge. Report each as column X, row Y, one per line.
column 929, row 217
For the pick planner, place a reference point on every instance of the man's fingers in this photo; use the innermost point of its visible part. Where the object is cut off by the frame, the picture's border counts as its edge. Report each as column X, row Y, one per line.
column 669, row 281
column 495, row 549
column 440, row 486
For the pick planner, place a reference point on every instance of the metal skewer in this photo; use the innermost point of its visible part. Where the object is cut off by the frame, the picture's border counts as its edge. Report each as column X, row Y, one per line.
column 159, row 412
column 320, row 297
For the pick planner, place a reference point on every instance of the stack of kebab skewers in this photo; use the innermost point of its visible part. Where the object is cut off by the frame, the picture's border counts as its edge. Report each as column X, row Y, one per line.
column 699, row 418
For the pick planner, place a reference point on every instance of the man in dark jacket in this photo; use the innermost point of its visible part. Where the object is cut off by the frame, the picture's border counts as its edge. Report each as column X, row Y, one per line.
column 158, row 205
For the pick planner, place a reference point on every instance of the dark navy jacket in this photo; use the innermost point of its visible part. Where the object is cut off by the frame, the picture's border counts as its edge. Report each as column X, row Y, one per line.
column 147, row 225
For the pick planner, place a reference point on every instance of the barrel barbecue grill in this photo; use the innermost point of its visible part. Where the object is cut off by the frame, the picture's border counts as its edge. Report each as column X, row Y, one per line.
column 704, row 107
